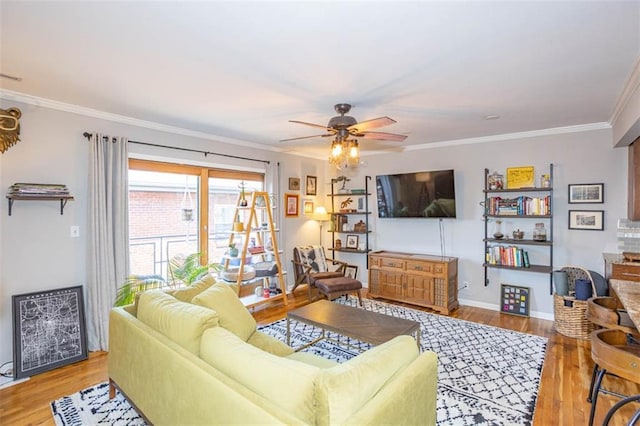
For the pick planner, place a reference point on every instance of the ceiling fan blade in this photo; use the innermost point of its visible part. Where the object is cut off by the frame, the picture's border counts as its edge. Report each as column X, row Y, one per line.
column 370, row 124
column 307, row 137
column 319, row 126
column 382, row 136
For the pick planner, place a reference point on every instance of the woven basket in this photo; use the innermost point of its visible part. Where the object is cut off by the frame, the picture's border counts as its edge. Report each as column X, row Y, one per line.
column 571, row 314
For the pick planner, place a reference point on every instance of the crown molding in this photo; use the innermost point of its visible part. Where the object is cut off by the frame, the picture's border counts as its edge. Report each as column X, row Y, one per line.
column 631, row 87
column 511, row 136
column 89, row 112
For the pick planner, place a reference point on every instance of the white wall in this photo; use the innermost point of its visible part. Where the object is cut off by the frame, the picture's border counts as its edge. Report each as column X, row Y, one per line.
column 37, row 252
column 586, row 157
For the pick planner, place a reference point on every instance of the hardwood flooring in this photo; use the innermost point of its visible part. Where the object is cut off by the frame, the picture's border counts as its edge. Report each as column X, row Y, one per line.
column 561, row 400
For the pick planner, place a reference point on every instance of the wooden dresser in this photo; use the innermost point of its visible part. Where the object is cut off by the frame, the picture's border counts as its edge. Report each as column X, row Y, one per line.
column 419, row 279
column 619, row 268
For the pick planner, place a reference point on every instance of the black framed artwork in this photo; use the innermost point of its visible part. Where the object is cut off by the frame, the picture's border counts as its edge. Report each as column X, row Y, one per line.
column 586, row 193
column 589, row 220
column 49, row 330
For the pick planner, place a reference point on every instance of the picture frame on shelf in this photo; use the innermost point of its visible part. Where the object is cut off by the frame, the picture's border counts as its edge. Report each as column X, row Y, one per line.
column 586, row 193
column 311, row 185
column 308, row 207
column 520, row 177
column 589, row 220
column 291, row 203
column 351, row 271
column 352, row 242
column 43, row 341
column 294, row 184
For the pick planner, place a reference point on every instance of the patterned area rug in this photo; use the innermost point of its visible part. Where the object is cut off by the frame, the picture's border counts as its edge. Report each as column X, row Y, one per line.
column 486, row 375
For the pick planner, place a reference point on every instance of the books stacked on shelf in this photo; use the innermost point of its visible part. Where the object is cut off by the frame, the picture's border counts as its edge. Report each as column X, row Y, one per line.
column 507, row 256
column 519, row 206
column 339, row 222
column 39, row 190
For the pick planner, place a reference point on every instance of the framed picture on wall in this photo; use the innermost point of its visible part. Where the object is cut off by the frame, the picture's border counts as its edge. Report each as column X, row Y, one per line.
column 307, row 208
column 49, row 330
column 291, row 205
column 352, row 242
column 294, row 184
column 514, row 300
column 586, row 193
column 590, row 220
column 311, row 187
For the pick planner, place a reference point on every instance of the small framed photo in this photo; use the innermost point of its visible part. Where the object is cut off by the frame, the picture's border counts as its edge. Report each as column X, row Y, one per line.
column 307, row 207
column 351, row 271
column 586, row 193
column 311, row 187
column 352, row 242
column 294, row 184
column 590, row 220
column 291, row 205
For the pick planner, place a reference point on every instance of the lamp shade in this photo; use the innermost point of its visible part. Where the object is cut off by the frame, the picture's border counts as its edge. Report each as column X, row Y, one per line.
column 320, row 214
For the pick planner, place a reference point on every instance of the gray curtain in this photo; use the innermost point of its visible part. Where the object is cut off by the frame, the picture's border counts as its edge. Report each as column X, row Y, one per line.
column 107, row 234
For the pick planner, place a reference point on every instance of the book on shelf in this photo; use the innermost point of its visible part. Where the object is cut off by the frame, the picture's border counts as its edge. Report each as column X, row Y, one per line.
column 519, row 206
column 507, row 256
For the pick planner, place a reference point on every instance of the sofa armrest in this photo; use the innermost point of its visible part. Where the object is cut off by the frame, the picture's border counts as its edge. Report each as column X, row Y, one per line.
column 269, row 344
column 409, row 398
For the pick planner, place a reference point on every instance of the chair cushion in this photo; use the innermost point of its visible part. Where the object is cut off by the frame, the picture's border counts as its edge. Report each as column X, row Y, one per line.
column 287, row 383
column 232, row 314
column 181, row 322
column 332, row 285
column 314, row 257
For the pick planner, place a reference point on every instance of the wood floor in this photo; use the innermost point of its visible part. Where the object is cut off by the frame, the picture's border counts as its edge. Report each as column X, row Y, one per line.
column 562, row 397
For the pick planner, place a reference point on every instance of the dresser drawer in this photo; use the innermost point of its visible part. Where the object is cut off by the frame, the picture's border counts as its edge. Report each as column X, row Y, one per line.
column 420, row 267
column 392, row 263
column 624, row 271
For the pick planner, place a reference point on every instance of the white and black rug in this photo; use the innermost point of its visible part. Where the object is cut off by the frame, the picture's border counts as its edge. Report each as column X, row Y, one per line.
column 486, row 375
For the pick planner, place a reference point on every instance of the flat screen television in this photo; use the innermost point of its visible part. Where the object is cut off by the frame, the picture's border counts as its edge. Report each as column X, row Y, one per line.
column 428, row 194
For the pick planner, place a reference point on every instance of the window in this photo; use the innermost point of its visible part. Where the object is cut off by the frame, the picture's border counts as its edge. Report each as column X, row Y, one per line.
column 180, row 209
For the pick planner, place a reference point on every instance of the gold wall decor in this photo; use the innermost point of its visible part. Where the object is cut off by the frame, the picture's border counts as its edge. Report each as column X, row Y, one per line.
column 9, row 128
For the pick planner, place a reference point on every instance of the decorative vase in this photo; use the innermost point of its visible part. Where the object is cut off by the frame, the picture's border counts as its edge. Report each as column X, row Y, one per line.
column 233, row 251
column 497, row 230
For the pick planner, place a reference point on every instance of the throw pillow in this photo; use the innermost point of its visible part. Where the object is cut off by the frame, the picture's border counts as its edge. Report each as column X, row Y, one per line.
column 181, row 322
column 232, row 314
column 287, row 384
column 189, row 292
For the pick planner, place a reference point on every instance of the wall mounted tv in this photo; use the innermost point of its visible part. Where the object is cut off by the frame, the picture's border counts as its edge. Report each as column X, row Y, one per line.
column 428, row 194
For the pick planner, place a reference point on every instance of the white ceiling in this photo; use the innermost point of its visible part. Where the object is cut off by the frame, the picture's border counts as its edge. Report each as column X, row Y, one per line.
column 240, row 70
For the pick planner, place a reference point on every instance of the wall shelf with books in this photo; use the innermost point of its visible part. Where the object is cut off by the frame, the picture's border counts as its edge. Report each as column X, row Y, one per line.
column 529, row 210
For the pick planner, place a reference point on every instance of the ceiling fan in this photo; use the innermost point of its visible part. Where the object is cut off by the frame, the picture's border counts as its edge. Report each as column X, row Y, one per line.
column 343, row 126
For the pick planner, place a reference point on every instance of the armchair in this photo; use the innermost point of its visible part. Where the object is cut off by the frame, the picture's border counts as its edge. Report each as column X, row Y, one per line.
column 310, row 264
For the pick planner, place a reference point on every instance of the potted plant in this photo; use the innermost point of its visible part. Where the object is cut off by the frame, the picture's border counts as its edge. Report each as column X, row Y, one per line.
column 183, row 271
column 233, row 250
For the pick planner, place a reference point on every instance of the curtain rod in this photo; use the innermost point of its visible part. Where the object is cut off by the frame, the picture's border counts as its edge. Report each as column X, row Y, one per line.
column 89, row 135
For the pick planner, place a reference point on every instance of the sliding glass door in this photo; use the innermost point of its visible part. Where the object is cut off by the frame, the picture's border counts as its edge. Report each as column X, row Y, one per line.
column 177, row 210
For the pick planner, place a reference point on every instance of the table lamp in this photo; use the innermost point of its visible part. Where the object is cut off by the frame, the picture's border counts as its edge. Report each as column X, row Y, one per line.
column 320, row 214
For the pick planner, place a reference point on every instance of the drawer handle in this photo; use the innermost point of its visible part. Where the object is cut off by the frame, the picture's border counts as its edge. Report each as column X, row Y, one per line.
column 418, row 268
column 392, row 265
column 631, row 275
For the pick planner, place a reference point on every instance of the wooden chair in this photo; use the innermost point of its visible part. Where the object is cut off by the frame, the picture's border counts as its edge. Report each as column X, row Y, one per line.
column 614, row 353
column 605, row 312
column 311, row 264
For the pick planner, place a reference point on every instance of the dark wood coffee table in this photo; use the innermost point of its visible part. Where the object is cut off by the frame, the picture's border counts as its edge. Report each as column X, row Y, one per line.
column 366, row 326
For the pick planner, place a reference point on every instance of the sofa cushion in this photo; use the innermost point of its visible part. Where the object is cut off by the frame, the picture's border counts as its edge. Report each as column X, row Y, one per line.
column 181, row 322
column 345, row 388
column 288, row 384
column 232, row 314
column 187, row 293
column 269, row 344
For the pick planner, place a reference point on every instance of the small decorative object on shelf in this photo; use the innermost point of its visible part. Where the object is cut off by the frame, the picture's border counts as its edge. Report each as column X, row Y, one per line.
column 233, row 250
column 495, row 181
column 338, row 243
column 243, row 201
column 518, row 234
column 38, row 192
column 539, row 232
column 497, row 230
column 545, row 181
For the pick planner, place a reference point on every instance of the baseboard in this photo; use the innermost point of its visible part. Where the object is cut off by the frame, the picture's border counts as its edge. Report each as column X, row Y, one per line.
column 495, row 307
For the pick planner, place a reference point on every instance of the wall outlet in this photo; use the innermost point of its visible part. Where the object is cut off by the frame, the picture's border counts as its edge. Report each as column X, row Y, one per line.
column 75, row 231
column 465, row 284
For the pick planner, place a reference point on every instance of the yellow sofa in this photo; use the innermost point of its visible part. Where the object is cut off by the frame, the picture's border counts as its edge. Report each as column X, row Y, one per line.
column 202, row 362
